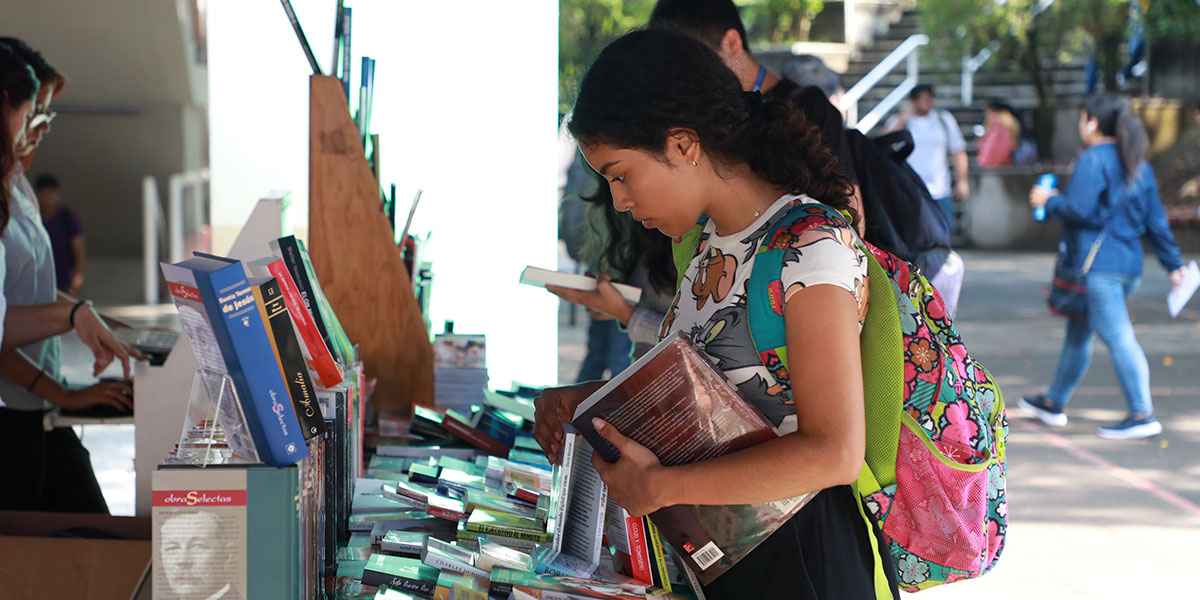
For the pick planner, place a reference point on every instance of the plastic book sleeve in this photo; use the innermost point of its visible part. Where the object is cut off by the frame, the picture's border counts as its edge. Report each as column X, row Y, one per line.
column 680, row 407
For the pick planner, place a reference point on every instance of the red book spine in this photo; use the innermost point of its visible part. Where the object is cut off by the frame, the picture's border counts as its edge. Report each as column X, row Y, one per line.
column 475, row 437
column 639, row 554
column 445, row 513
column 321, row 361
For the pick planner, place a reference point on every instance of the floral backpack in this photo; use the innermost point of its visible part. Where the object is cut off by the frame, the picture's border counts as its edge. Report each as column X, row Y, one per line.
column 934, row 472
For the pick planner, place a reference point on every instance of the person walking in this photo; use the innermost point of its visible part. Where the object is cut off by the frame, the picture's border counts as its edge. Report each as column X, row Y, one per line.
column 1111, row 204
column 938, row 146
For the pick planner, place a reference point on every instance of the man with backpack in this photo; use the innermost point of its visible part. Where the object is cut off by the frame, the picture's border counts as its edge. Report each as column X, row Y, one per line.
column 937, row 145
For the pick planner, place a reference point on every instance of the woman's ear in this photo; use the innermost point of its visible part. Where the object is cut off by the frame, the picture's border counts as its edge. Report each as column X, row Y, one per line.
column 684, row 145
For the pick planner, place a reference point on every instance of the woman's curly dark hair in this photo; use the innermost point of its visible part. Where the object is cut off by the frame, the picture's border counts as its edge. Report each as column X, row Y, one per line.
column 650, row 82
column 18, row 85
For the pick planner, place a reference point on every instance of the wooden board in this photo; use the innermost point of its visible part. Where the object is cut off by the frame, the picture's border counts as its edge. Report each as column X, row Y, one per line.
column 356, row 258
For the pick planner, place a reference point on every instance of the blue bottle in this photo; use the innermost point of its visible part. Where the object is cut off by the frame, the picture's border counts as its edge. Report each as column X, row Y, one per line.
column 1048, row 182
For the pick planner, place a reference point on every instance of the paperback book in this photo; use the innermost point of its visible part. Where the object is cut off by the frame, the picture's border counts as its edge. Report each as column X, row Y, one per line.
column 680, row 407
column 543, row 277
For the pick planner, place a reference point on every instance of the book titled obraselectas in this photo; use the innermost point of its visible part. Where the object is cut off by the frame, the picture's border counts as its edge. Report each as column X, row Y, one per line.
column 245, row 348
column 680, row 407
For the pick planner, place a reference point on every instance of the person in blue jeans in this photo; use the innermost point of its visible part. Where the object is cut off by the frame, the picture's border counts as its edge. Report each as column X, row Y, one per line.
column 1113, row 201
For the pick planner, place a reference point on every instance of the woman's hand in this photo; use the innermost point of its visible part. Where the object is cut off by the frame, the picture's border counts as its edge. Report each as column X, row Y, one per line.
column 553, row 408
column 635, row 479
column 605, row 299
column 1176, row 277
column 116, row 394
column 1038, row 196
column 96, row 335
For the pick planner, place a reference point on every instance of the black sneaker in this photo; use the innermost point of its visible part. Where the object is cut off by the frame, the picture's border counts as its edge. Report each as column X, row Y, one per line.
column 1132, row 429
column 1044, row 409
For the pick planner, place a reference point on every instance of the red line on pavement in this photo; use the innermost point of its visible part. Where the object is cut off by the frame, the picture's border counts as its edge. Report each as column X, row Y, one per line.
column 1129, row 477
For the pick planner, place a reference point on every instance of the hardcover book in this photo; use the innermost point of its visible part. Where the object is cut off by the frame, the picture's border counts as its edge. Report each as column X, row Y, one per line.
column 316, row 353
column 239, row 331
column 275, row 315
column 295, row 257
column 680, row 407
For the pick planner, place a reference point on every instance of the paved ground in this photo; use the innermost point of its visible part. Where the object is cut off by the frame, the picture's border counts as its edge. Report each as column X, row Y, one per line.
column 1089, row 518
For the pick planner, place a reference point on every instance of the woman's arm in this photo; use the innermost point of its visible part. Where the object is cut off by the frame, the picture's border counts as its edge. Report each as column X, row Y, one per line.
column 1158, row 228
column 26, row 324
column 1080, row 204
column 827, row 449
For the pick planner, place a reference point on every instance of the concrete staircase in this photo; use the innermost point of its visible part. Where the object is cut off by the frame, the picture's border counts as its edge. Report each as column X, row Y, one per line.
column 994, row 80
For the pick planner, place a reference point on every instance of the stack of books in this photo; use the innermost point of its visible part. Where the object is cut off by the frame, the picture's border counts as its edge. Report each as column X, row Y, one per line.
column 459, row 371
column 431, row 525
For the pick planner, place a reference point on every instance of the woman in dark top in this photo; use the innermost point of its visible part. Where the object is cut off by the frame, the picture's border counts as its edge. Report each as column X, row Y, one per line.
column 1111, row 204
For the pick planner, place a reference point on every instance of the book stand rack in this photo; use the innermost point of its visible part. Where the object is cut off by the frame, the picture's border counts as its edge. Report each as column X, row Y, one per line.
column 214, row 419
column 354, row 252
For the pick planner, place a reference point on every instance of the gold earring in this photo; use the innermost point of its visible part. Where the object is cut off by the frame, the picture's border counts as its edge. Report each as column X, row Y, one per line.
column 694, row 164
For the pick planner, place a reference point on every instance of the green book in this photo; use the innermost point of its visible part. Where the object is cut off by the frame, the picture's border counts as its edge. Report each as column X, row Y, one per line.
column 407, row 575
column 503, row 524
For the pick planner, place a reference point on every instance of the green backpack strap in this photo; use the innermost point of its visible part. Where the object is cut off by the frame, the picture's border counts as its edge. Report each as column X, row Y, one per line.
column 881, row 348
column 683, row 250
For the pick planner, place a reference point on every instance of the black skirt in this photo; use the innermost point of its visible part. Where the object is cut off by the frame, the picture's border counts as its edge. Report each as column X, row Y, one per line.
column 822, row 553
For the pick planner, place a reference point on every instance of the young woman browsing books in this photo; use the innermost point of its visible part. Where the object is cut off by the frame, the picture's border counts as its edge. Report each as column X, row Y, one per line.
column 54, row 470
column 668, row 125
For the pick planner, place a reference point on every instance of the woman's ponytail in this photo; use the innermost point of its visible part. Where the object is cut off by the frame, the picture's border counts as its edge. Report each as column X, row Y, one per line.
column 1132, row 141
column 1116, row 119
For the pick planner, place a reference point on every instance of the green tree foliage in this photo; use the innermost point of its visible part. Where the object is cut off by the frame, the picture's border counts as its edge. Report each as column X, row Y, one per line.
column 779, row 21
column 1035, row 37
column 585, row 27
column 1176, row 20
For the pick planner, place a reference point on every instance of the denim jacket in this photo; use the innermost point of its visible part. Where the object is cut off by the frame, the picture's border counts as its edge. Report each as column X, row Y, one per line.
column 1101, row 199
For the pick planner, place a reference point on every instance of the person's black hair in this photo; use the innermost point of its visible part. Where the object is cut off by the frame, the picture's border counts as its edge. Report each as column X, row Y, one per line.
column 705, row 19
column 650, row 82
column 619, row 243
column 45, row 181
column 921, row 88
column 808, row 70
column 1115, row 118
column 18, row 85
column 45, row 72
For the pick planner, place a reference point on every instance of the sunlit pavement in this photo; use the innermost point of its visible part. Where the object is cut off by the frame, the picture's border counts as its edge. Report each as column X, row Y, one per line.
column 1089, row 518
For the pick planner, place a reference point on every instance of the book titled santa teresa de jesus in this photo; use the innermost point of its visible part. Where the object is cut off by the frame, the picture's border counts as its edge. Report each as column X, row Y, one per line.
column 677, row 404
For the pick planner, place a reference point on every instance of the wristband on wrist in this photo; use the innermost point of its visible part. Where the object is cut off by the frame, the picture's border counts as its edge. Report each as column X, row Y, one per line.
column 35, row 380
column 71, row 319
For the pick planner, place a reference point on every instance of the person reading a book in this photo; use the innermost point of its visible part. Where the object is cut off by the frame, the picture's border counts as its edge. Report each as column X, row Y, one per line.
column 623, row 249
column 55, row 471
column 671, row 129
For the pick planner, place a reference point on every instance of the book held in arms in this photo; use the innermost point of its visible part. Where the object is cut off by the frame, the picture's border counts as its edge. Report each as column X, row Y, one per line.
column 680, row 407
column 230, row 313
column 275, row 316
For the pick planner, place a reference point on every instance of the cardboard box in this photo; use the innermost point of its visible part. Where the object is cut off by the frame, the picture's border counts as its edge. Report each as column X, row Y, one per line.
column 34, row 565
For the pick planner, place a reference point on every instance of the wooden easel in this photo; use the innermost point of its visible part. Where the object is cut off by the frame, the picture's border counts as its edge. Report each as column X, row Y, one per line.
column 357, row 260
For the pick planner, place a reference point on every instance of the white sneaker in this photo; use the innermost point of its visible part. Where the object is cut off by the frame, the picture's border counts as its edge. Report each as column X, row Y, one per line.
column 1131, row 429
column 1044, row 410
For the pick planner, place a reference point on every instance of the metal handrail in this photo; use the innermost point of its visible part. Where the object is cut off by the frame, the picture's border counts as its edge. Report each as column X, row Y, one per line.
column 970, row 66
column 906, row 50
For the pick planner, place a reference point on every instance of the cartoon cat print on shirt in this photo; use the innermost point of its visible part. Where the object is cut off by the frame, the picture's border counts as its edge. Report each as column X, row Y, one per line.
column 715, row 277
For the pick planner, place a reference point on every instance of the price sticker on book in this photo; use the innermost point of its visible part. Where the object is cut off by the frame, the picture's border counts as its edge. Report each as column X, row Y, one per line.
column 707, row 556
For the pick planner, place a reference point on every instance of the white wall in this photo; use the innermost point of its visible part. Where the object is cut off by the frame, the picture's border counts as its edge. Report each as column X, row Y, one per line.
column 465, row 105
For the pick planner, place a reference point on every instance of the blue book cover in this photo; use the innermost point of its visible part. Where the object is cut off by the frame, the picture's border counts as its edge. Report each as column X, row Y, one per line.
column 242, row 337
